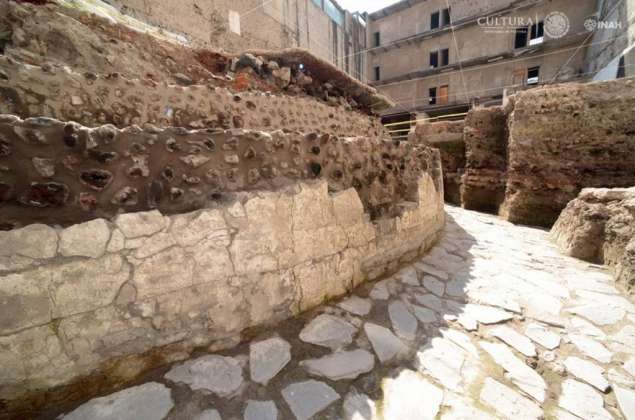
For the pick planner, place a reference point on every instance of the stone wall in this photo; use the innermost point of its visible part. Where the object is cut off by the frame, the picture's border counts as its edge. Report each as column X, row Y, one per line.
column 447, row 136
column 63, row 173
column 565, row 138
column 93, row 99
column 599, row 226
column 130, row 294
column 483, row 183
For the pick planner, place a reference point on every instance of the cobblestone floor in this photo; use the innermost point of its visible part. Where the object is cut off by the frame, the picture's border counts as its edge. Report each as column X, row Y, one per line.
column 493, row 323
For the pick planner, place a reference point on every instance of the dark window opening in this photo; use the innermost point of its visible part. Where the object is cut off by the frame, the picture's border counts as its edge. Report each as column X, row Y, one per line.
column 621, row 71
column 537, row 33
column 533, row 75
column 434, row 20
column 521, row 38
column 434, row 59
column 445, row 57
column 377, row 73
column 377, row 39
column 446, row 17
column 432, row 93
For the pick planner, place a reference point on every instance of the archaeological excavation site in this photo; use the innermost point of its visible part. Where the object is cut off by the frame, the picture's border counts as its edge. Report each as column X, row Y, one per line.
column 311, row 209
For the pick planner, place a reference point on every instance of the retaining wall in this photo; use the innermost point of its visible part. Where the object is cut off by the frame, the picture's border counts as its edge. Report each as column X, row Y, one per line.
column 564, row 138
column 125, row 296
column 483, row 183
column 92, row 100
column 599, row 227
column 447, row 136
column 64, row 173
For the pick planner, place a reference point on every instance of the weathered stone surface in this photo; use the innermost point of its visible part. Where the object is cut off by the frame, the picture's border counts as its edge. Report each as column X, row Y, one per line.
column 507, row 402
column 341, row 364
column 582, row 400
column 599, row 314
column 485, row 136
column 433, row 285
column 149, row 401
column 563, row 132
column 164, row 272
column 359, row 407
column 514, row 339
column 267, row 358
column 424, row 315
column 599, row 226
column 626, row 401
column 328, row 331
column 356, row 305
column 25, row 299
column 486, row 314
column 33, row 241
column 386, row 345
column 210, row 414
column 220, row 375
column 447, row 136
column 85, row 240
column 517, row 371
column 82, row 286
column 261, row 410
column 308, row 398
column 444, row 361
column 543, row 336
column 591, row 348
column 403, row 322
column 133, row 225
column 587, row 371
column 402, row 397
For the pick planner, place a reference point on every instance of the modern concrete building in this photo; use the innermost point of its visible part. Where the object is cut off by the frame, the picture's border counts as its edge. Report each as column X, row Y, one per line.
column 320, row 26
column 439, row 57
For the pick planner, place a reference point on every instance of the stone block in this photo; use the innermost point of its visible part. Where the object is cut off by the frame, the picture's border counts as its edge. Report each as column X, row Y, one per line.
column 85, row 240
column 83, row 286
column 33, row 241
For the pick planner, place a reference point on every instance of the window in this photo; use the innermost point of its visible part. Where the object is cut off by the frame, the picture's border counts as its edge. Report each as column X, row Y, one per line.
column 434, row 20
column 444, row 95
column 334, row 12
column 445, row 57
column 434, row 59
column 621, row 68
column 432, row 93
column 446, row 16
column 318, row 3
column 377, row 73
column 376, row 39
column 521, row 38
column 533, row 75
column 537, row 34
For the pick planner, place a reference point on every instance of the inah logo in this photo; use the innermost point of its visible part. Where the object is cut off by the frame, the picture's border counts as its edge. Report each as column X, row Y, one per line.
column 591, row 24
column 556, row 25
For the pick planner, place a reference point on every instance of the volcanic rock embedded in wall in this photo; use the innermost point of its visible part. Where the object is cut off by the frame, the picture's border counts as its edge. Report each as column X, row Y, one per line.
column 447, row 136
column 55, row 172
column 565, row 138
column 599, row 227
column 483, row 183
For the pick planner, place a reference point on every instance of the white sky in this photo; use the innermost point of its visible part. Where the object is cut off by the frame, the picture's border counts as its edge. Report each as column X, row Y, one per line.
column 365, row 5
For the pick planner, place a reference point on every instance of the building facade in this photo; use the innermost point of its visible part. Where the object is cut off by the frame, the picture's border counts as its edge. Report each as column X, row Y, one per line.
column 437, row 57
column 320, row 26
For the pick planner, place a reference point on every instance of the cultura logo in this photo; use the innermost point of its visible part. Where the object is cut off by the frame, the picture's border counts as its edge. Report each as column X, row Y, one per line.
column 556, row 25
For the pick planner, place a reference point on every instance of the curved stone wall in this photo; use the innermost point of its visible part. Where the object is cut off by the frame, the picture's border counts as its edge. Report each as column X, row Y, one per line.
column 93, row 100
column 131, row 294
column 64, row 173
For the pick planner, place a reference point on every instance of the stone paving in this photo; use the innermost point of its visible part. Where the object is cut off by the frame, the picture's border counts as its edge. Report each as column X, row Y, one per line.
column 492, row 323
